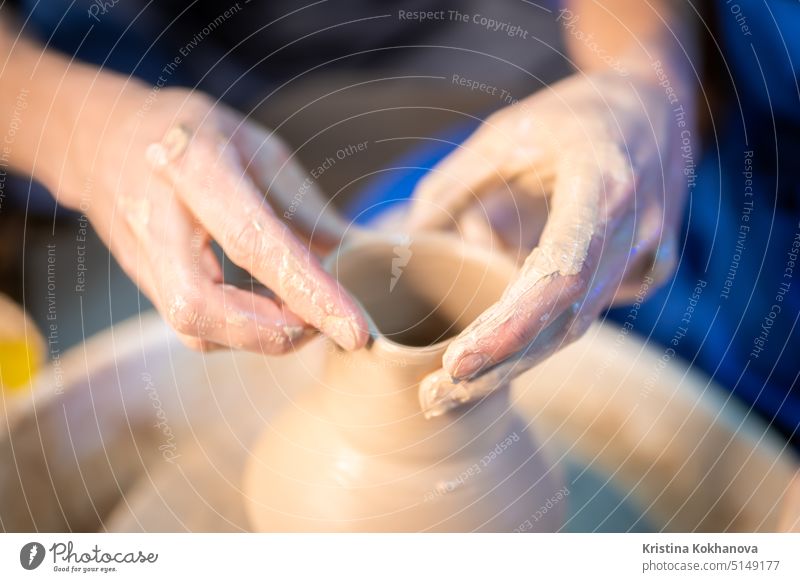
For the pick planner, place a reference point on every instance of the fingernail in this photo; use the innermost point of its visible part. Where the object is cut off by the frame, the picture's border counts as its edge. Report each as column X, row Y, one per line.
column 469, row 365
column 343, row 331
column 294, row 332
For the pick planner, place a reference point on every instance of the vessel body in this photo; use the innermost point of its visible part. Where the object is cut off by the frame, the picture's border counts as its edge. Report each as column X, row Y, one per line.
column 356, row 453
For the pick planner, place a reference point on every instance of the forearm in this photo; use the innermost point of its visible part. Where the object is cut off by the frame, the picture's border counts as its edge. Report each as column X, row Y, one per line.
column 633, row 37
column 50, row 109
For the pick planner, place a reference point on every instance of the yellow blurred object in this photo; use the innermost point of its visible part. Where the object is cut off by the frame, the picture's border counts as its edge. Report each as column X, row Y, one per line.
column 21, row 347
column 19, row 361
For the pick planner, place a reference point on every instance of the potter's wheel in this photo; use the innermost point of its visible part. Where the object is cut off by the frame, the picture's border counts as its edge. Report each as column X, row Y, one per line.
column 133, row 432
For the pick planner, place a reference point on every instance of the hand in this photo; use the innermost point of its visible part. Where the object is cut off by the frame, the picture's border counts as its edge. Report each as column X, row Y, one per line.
column 171, row 174
column 588, row 177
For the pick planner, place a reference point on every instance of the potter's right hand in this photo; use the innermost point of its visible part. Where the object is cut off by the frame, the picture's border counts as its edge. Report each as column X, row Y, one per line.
column 165, row 173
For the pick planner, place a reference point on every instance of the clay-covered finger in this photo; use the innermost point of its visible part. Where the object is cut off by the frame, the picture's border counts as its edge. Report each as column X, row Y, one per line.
column 492, row 157
column 210, row 180
column 189, row 292
column 440, row 393
column 290, row 190
column 222, row 320
column 510, row 324
column 555, row 276
column 459, row 179
column 141, row 273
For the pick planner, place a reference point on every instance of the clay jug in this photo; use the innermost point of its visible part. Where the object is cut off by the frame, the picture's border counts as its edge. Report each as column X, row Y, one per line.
column 357, row 454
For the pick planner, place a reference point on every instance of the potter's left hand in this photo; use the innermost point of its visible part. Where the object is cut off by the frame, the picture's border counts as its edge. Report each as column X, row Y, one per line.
column 587, row 176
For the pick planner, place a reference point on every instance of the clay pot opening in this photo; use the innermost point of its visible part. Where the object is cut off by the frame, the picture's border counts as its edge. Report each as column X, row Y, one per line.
column 420, row 291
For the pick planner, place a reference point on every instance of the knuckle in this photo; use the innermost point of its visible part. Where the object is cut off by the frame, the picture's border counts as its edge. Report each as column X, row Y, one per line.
column 427, row 185
column 498, row 119
column 188, row 100
column 201, row 100
column 244, row 243
column 495, row 130
column 261, row 247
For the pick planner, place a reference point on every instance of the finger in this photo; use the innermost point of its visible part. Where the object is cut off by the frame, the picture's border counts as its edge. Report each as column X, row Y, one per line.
column 490, row 157
column 475, row 227
column 139, row 271
column 440, row 393
column 291, row 190
column 146, row 283
column 189, row 291
column 512, row 217
column 128, row 239
column 211, row 181
column 555, row 275
column 653, row 252
column 192, row 342
column 649, row 268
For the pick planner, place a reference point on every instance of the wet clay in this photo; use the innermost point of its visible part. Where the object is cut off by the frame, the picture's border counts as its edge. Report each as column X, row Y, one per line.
column 356, row 453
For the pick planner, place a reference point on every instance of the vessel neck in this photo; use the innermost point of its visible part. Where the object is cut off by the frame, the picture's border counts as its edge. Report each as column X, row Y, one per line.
column 372, row 396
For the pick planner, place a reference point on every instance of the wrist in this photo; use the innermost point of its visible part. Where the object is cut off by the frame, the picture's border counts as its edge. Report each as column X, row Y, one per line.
column 60, row 110
column 76, row 137
column 93, row 105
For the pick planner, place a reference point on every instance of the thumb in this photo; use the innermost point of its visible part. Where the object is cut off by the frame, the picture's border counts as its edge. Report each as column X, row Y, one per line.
column 483, row 162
